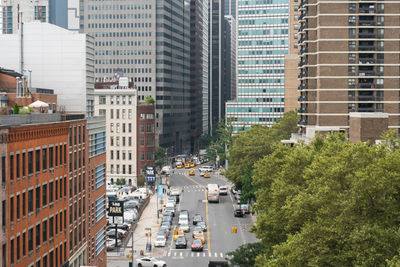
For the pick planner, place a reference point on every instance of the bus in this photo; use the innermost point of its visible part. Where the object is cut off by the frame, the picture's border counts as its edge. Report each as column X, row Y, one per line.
column 213, row 193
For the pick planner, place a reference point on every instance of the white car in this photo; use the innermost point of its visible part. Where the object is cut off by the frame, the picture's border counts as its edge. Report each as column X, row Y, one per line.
column 151, row 262
column 223, row 190
column 185, row 227
column 160, row 241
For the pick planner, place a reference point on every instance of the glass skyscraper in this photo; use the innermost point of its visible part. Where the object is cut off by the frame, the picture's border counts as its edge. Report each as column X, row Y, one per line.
column 262, row 43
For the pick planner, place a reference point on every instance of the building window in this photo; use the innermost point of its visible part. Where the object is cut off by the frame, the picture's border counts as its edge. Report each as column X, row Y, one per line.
column 44, row 195
column 18, row 167
column 30, row 200
column 11, row 167
column 129, row 127
column 44, row 231
column 141, row 128
column 51, row 228
column 23, row 204
column 102, row 100
column 30, row 239
column 40, row 13
column 150, row 141
column 51, row 154
column 100, row 175
column 18, row 207
column 100, row 208
column 51, row 193
column 141, row 155
column 37, row 198
column 149, row 128
column 44, row 158
column 12, row 210
column 37, row 235
column 100, row 241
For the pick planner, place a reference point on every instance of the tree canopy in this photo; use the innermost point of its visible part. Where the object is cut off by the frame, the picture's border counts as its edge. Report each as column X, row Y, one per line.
column 329, row 203
column 249, row 146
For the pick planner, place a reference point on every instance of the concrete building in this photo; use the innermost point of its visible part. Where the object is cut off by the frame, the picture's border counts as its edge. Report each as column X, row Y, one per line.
column 230, row 8
column 139, row 40
column 54, row 58
column 118, row 104
column 15, row 10
column 349, row 62
column 263, row 40
column 199, row 64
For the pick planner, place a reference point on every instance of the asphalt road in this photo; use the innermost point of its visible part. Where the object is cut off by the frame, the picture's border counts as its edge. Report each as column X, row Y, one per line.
column 218, row 216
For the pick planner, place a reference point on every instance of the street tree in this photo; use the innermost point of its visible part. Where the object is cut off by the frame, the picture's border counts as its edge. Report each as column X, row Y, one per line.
column 161, row 158
column 249, row 146
column 245, row 255
column 330, row 203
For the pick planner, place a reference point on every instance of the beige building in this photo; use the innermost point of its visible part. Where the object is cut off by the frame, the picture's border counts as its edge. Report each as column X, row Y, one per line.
column 119, row 105
column 349, row 55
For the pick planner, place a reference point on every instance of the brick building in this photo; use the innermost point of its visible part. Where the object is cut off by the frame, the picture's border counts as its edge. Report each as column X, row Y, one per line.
column 145, row 137
column 349, row 55
column 48, row 190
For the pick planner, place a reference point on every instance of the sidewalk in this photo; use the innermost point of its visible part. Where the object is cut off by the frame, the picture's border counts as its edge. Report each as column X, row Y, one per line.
column 147, row 220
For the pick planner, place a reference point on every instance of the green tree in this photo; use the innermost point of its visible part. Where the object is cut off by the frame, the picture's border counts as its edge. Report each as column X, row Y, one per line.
column 161, row 157
column 222, row 141
column 249, row 146
column 149, row 100
column 330, row 203
column 16, row 109
column 245, row 255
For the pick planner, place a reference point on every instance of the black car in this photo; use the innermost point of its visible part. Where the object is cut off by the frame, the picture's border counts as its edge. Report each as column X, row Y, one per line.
column 238, row 213
column 181, row 242
column 197, row 218
column 176, row 198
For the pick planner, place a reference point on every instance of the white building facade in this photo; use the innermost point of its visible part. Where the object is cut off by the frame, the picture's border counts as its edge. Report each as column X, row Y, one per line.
column 54, row 58
column 119, row 106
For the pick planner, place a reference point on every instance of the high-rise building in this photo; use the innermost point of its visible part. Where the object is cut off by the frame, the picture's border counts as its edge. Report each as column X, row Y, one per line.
column 15, row 11
column 228, row 61
column 215, row 94
column 199, row 32
column 263, row 33
column 230, row 8
column 149, row 42
column 349, row 62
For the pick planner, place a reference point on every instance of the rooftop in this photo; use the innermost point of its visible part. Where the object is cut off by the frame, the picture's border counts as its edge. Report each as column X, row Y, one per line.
column 41, row 118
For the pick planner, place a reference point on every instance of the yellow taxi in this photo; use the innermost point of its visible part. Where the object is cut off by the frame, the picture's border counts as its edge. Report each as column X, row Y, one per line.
column 192, row 165
column 179, row 233
column 191, row 173
column 187, row 165
column 200, row 235
column 207, row 175
column 179, row 166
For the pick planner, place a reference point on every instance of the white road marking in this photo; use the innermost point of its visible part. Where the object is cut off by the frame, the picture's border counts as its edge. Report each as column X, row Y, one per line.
column 174, row 254
column 169, row 254
column 180, row 254
column 204, row 254
column 216, row 255
column 222, row 255
column 209, row 254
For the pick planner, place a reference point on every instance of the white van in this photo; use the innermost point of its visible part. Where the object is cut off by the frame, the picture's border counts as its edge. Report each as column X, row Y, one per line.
column 206, row 169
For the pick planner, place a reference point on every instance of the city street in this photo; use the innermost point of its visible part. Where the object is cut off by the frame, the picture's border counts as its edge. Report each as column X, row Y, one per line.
column 218, row 216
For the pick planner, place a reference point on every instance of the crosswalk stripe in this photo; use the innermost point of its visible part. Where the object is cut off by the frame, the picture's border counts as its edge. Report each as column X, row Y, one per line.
column 216, row 255
column 204, row 254
column 209, row 254
column 180, row 254
column 222, row 255
column 174, row 254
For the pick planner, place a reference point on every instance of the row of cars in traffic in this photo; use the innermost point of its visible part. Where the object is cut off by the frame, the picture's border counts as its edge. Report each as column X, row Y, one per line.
column 179, row 227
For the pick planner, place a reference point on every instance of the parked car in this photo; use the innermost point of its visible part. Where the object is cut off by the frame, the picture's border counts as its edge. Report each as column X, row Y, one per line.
column 181, row 242
column 175, row 197
column 170, row 209
column 167, row 219
column 162, row 232
column 168, row 213
column 238, row 213
column 165, row 228
column 197, row 245
column 197, row 218
column 150, row 262
column 223, row 190
column 160, row 241
column 166, row 225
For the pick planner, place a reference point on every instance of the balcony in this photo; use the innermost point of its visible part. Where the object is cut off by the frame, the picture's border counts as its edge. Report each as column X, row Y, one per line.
column 366, row 60
column 367, row 35
column 368, row 109
column 366, row 98
column 366, row 47
column 302, row 110
column 366, row 21
column 302, row 98
column 366, row 73
column 367, row 9
column 366, row 84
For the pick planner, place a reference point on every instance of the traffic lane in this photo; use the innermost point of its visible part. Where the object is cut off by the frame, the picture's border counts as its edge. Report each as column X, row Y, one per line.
column 177, row 179
column 221, row 222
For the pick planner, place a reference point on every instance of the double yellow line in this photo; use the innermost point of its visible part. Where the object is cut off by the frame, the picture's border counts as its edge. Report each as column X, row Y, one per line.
column 207, row 219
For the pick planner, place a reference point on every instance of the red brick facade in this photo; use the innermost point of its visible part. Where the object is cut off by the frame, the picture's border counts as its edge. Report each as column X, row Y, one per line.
column 145, row 133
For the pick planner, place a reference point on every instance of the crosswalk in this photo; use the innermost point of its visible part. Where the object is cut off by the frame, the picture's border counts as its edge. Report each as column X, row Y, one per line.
column 186, row 254
column 194, row 188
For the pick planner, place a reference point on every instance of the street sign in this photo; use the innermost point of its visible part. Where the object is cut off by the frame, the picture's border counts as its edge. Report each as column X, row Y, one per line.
column 160, row 191
column 150, row 179
column 116, row 208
